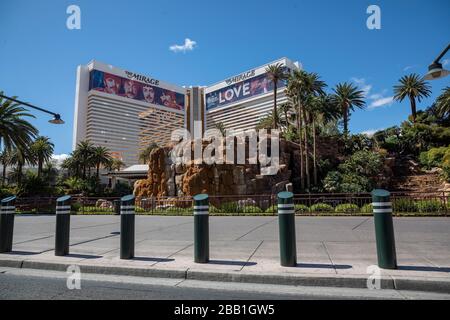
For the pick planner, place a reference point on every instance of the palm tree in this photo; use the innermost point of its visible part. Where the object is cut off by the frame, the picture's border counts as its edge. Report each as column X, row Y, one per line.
column 414, row 87
column 221, row 127
column 100, row 157
column 19, row 157
column 5, row 160
column 275, row 73
column 83, row 154
column 443, row 103
column 116, row 164
column 347, row 96
column 144, row 155
column 42, row 149
column 15, row 131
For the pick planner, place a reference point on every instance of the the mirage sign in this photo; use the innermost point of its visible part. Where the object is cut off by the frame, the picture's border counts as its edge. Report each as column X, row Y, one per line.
column 241, row 87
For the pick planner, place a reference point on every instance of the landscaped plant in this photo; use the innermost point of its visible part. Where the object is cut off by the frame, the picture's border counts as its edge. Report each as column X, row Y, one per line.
column 252, row 209
column 301, row 208
column 230, row 207
column 367, row 208
column 321, row 207
column 347, row 208
column 404, row 205
column 430, row 206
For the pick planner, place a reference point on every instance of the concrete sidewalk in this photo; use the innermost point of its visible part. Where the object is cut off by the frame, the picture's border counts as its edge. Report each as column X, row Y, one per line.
column 332, row 251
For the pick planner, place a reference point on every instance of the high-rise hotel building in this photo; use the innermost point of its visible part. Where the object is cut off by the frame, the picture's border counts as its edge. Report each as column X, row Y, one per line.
column 126, row 111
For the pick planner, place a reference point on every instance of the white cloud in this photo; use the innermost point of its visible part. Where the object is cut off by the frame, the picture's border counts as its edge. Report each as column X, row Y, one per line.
column 361, row 82
column 59, row 158
column 445, row 62
column 380, row 102
column 370, row 132
column 187, row 46
column 408, row 67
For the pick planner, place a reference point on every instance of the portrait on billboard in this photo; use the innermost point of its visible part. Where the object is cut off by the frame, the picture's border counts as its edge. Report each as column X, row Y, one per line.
column 131, row 89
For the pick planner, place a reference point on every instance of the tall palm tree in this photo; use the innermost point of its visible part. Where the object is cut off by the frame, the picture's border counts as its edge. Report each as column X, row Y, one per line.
column 414, row 87
column 5, row 160
column 144, row 155
column 100, row 157
column 14, row 129
column 347, row 96
column 19, row 157
column 443, row 103
column 275, row 73
column 83, row 153
column 116, row 164
column 42, row 149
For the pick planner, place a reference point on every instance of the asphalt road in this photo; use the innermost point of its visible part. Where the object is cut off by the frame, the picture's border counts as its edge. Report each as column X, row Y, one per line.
column 52, row 285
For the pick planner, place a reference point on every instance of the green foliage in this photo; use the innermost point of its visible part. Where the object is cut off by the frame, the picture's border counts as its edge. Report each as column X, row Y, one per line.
column 367, row 208
column 301, row 208
column 430, row 206
column 404, row 205
column 356, row 174
column 347, row 208
column 321, row 207
column 230, row 207
column 437, row 157
column 252, row 209
column 272, row 209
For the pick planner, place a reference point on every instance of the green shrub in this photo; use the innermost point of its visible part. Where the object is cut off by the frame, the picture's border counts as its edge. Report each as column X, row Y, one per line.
column 252, row 209
column 139, row 209
column 230, row 207
column 367, row 208
column 301, row 208
column 430, row 206
column 347, row 208
column 76, row 207
column 404, row 205
column 321, row 207
column 272, row 209
column 213, row 209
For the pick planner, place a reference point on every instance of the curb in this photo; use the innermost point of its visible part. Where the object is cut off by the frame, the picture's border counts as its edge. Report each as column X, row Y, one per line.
column 438, row 285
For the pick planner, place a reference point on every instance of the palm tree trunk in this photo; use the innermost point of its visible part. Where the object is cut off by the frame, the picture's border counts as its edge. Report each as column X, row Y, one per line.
column 4, row 174
column 413, row 108
column 19, row 174
column 308, row 179
column 39, row 168
column 98, row 170
column 275, row 116
column 345, row 114
column 299, row 128
column 314, row 151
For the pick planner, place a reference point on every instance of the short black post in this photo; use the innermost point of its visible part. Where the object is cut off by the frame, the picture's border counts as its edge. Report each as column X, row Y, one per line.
column 201, row 228
column 384, row 229
column 7, row 212
column 62, row 225
column 286, row 222
column 127, row 219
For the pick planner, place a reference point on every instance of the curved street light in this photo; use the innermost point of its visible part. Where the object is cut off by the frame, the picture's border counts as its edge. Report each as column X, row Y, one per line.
column 435, row 70
column 56, row 116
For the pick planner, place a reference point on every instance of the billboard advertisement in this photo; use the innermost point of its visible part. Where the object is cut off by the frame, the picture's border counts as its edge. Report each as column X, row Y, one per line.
column 248, row 88
column 136, row 90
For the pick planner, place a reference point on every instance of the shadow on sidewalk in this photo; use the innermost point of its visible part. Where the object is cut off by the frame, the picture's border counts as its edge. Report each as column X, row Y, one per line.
column 22, row 253
column 232, row 263
column 152, row 259
column 424, row 268
column 323, row 266
column 83, row 256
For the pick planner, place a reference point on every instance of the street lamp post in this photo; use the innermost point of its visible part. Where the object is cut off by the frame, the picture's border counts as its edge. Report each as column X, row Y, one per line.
column 435, row 70
column 56, row 116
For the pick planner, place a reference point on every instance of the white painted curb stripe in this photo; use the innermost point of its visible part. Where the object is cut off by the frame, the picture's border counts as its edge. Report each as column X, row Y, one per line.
column 383, row 204
column 290, row 205
column 201, row 207
column 382, row 210
column 285, row 211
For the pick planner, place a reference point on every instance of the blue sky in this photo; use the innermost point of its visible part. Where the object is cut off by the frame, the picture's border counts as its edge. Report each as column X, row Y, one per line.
column 39, row 55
